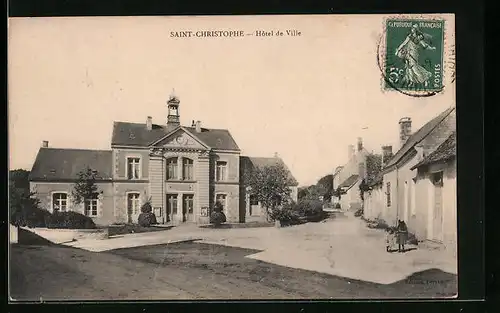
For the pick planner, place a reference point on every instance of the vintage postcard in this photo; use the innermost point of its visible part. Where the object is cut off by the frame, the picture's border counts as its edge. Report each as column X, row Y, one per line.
column 232, row 157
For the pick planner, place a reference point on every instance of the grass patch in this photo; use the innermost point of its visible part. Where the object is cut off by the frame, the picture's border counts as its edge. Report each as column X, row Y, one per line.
column 25, row 237
column 218, row 261
column 124, row 229
column 238, row 225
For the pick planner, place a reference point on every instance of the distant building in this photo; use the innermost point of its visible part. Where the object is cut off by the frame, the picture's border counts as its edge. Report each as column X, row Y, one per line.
column 349, row 176
column 182, row 170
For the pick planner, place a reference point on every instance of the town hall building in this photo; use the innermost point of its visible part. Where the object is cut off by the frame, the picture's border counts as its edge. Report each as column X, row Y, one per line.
column 183, row 171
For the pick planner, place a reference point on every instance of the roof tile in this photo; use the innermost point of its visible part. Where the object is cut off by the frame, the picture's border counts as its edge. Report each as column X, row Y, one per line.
column 419, row 136
column 61, row 164
column 250, row 162
column 445, row 151
column 136, row 134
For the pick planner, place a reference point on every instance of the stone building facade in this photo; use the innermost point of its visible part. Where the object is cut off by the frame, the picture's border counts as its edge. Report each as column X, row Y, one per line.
column 181, row 170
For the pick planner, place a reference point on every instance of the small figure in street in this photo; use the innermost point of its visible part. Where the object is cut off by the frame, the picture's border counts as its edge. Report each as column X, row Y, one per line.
column 390, row 239
column 402, row 235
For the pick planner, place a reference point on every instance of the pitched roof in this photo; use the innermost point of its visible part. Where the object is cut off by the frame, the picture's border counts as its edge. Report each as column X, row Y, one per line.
column 377, row 180
column 349, row 182
column 445, row 151
column 419, row 136
column 136, row 134
column 338, row 169
column 215, row 138
column 60, row 164
column 260, row 162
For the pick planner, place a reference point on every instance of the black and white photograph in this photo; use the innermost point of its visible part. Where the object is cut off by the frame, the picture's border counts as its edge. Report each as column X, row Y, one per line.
column 232, row 157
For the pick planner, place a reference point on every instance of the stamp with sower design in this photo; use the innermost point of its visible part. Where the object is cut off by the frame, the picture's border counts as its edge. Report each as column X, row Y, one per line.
column 414, row 56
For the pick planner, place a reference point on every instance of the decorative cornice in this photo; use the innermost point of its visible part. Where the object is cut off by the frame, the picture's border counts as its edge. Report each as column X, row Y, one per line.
column 159, row 152
column 65, row 180
column 129, row 147
column 226, row 151
column 131, row 181
column 226, row 183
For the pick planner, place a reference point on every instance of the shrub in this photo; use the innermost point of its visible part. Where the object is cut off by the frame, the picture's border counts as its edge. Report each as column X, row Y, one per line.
column 146, row 207
column 146, row 219
column 69, row 220
column 33, row 218
column 309, row 208
column 378, row 223
column 217, row 217
column 337, row 205
column 358, row 213
column 287, row 214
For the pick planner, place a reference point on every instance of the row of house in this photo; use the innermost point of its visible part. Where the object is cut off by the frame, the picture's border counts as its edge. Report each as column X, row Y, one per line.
column 417, row 184
column 182, row 170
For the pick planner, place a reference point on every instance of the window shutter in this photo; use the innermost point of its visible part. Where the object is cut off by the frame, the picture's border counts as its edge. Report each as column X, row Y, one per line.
column 100, row 198
column 49, row 201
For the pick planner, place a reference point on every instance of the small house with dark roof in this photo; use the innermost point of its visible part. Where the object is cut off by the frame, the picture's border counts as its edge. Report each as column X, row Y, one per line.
column 348, row 177
column 408, row 189
column 252, row 207
column 436, row 180
column 182, row 170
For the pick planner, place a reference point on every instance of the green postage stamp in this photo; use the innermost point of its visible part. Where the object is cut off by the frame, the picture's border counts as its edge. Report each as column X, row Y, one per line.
column 414, row 55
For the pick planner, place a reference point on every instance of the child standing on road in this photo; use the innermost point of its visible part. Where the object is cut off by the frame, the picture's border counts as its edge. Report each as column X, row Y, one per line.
column 402, row 235
column 390, row 239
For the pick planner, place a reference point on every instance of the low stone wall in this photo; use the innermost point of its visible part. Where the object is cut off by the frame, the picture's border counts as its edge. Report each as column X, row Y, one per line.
column 13, row 237
column 67, row 235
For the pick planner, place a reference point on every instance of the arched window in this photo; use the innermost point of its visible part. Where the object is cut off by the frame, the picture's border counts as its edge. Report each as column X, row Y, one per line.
column 187, row 169
column 172, row 168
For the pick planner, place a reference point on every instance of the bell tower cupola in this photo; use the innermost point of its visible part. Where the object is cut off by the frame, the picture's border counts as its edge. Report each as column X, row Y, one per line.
column 173, row 118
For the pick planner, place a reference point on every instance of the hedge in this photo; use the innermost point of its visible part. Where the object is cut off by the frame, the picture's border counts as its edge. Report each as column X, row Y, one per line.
column 69, row 220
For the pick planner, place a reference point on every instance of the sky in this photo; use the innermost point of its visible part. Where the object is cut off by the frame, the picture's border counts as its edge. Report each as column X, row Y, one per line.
column 305, row 97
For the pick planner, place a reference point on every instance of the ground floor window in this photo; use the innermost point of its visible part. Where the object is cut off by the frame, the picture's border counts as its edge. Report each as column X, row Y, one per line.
column 188, row 204
column 171, row 204
column 91, row 206
column 133, row 203
column 254, row 200
column 59, row 201
column 221, row 199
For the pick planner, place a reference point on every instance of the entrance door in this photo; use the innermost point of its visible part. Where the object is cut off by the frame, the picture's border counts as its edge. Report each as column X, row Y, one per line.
column 133, row 207
column 437, row 222
column 187, row 208
column 171, row 206
column 221, row 198
column 253, row 208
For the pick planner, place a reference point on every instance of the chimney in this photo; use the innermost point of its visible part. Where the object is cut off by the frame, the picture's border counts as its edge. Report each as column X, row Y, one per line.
column 193, row 124
column 404, row 130
column 360, row 143
column 149, row 123
column 45, row 144
column 198, row 126
column 386, row 154
column 350, row 152
column 276, row 155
